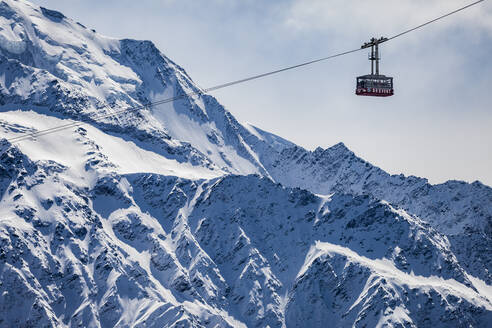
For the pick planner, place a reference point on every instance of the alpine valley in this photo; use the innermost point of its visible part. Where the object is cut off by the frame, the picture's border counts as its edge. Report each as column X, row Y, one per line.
column 178, row 215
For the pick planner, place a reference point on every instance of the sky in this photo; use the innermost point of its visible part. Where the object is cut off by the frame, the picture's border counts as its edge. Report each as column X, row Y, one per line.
column 438, row 125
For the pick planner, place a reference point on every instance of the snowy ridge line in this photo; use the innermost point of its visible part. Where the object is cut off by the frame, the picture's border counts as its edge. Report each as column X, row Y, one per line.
column 385, row 268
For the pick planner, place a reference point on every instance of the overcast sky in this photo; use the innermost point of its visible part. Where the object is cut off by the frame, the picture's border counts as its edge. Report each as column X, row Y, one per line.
column 438, row 125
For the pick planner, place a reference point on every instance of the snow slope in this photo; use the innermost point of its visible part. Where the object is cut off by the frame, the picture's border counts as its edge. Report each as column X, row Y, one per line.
column 179, row 215
column 88, row 142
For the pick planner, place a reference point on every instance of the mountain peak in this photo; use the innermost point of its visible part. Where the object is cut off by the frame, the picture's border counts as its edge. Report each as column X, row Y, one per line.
column 52, row 14
column 339, row 145
column 338, row 149
column 59, row 68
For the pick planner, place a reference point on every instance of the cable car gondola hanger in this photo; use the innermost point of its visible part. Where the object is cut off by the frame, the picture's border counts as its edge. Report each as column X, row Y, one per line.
column 375, row 85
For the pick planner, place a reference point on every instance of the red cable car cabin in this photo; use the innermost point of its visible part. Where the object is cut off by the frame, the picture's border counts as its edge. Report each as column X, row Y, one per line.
column 375, row 85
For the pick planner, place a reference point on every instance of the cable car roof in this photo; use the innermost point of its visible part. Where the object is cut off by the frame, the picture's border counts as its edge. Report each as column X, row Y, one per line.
column 374, row 76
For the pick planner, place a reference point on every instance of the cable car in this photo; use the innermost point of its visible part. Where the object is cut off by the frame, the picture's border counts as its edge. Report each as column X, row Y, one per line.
column 375, row 85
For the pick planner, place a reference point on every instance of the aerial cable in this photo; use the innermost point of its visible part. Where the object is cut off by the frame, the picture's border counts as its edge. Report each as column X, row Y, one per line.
column 434, row 20
column 220, row 86
column 167, row 100
column 225, row 85
column 98, row 117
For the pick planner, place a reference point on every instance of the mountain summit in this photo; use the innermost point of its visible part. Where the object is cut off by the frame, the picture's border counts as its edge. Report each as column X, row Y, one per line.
column 179, row 215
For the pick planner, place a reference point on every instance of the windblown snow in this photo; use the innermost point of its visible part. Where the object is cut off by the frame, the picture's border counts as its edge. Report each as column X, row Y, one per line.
column 178, row 215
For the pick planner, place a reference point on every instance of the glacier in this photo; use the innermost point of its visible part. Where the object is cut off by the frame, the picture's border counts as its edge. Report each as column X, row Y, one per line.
column 179, row 215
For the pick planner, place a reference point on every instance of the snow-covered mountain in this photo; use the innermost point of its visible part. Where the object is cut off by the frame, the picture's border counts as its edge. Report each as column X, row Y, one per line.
column 179, row 215
column 459, row 210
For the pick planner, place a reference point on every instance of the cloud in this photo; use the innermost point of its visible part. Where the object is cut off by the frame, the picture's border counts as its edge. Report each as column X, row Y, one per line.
column 386, row 17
